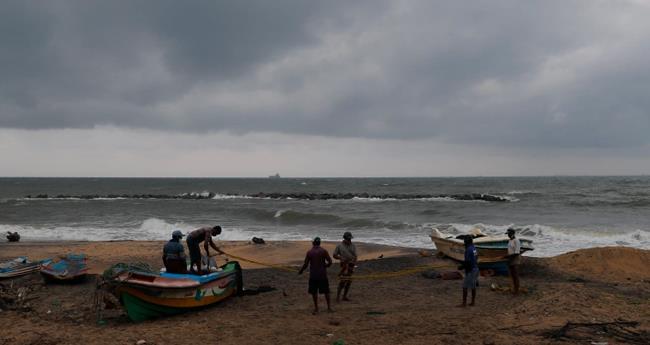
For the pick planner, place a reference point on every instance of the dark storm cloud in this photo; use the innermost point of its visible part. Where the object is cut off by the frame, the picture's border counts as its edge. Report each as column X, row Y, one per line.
column 540, row 74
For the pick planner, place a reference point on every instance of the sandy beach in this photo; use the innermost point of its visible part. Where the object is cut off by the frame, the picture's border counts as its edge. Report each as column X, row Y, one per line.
column 605, row 292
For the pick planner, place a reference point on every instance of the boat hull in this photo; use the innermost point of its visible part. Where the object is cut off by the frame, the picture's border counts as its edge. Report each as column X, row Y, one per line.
column 70, row 269
column 492, row 254
column 144, row 301
column 19, row 266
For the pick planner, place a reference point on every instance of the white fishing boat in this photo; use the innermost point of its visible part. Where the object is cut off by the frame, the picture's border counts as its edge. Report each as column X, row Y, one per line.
column 492, row 250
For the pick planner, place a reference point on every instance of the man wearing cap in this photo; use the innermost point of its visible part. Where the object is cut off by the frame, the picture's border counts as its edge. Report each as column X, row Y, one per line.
column 197, row 236
column 514, row 259
column 347, row 253
column 318, row 260
column 470, row 264
column 174, row 254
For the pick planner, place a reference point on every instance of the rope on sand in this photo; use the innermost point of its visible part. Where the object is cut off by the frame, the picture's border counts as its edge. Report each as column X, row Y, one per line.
column 372, row 276
column 279, row 267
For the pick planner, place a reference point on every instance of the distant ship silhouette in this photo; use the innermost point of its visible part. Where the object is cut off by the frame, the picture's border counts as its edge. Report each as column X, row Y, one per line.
column 275, row 176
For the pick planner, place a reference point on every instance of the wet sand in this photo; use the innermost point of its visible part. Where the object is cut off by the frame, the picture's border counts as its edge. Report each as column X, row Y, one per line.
column 591, row 286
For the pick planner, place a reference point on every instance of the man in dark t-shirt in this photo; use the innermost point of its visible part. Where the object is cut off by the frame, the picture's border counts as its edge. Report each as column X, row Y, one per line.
column 174, row 254
column 318, row 260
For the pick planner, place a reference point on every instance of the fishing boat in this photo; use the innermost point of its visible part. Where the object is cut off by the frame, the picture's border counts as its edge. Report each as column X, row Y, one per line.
column 19, row 266
column 147, row 295
column 276, row 176
column 70, row 268
column 492, row 250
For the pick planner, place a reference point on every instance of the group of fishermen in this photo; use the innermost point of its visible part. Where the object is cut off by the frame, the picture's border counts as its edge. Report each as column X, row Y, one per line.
column 318, row 260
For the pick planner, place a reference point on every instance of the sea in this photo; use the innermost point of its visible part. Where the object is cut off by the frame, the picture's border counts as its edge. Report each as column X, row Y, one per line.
column 560, row 213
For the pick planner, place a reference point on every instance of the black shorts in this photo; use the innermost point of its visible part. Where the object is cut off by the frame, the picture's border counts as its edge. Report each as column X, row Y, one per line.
column 319, row 286
column 195, row 251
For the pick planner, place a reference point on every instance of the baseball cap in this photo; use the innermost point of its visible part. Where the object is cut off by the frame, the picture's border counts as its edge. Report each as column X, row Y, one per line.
column 510, row 230
column 316, row 240
column 347, row 234
column 177, row 233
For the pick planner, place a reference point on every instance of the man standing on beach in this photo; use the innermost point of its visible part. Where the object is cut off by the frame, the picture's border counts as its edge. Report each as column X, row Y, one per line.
column 197, row 236
column 471, row 270
column 318, row 260
column 514, row 259
column 347, row 253
column 174, row 254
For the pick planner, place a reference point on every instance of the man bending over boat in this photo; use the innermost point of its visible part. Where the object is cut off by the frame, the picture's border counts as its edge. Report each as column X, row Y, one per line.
column 197, row 236
column 318, row 260
column 471, row 270
column 174, row 254
column 347, row 253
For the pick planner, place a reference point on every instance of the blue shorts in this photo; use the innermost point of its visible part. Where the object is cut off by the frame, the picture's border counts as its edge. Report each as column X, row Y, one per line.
column 471, row 280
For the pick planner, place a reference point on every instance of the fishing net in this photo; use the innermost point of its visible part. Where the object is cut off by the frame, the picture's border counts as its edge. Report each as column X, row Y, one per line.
column 118, row 268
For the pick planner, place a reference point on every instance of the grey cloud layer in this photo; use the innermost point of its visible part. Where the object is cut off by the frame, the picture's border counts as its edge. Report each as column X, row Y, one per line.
column 551, row 73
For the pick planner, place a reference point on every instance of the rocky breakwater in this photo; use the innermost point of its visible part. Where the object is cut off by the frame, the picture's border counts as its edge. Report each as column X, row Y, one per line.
column 346, row 196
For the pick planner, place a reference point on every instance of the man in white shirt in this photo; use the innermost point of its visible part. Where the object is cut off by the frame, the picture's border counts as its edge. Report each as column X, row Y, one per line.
column 345, row 251
column 514, row 259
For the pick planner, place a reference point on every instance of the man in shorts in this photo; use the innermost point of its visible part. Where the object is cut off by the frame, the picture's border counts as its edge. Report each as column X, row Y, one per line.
column 514, row 259
column 470, row 264
column 318, row 260
column 345, row 251
column 197, row 236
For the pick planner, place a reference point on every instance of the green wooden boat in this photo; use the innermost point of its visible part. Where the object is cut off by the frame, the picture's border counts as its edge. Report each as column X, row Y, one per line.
column 146, row 296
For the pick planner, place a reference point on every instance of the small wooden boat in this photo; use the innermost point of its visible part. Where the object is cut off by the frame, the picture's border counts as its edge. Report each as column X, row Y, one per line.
column 148, row 295
column 19, row 266
column 70, row 268
column 492, row 251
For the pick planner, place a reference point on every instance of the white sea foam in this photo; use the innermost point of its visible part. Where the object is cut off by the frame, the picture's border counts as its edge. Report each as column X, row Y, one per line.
column 231, row 196
column 548, row 241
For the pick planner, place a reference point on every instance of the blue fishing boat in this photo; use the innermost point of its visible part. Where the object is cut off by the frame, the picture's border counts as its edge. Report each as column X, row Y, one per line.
column 69, row 268
column 20, row 266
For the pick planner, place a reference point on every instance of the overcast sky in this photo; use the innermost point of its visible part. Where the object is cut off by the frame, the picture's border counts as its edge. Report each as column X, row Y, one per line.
column 324, row 88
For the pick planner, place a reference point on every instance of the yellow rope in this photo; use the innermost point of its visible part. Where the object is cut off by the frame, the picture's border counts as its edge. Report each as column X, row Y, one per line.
column 370, row 276
column 280, row 267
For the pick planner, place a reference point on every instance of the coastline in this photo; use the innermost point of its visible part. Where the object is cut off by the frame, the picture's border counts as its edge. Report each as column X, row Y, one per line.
column 592, row 285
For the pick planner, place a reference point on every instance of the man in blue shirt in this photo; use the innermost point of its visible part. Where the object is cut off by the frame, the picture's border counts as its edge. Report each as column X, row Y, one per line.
column 471, row 270
column 174, row 254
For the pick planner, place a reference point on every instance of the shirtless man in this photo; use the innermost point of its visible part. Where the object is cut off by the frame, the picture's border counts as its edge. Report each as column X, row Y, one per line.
column 197, row 236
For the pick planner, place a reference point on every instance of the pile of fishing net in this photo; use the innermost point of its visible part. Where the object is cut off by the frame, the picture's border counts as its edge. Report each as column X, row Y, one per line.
column 115, row 270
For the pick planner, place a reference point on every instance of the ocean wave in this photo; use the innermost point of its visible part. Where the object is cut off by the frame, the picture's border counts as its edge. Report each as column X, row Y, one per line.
column 611, row 202
column 550, row 241
column 290, row 217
